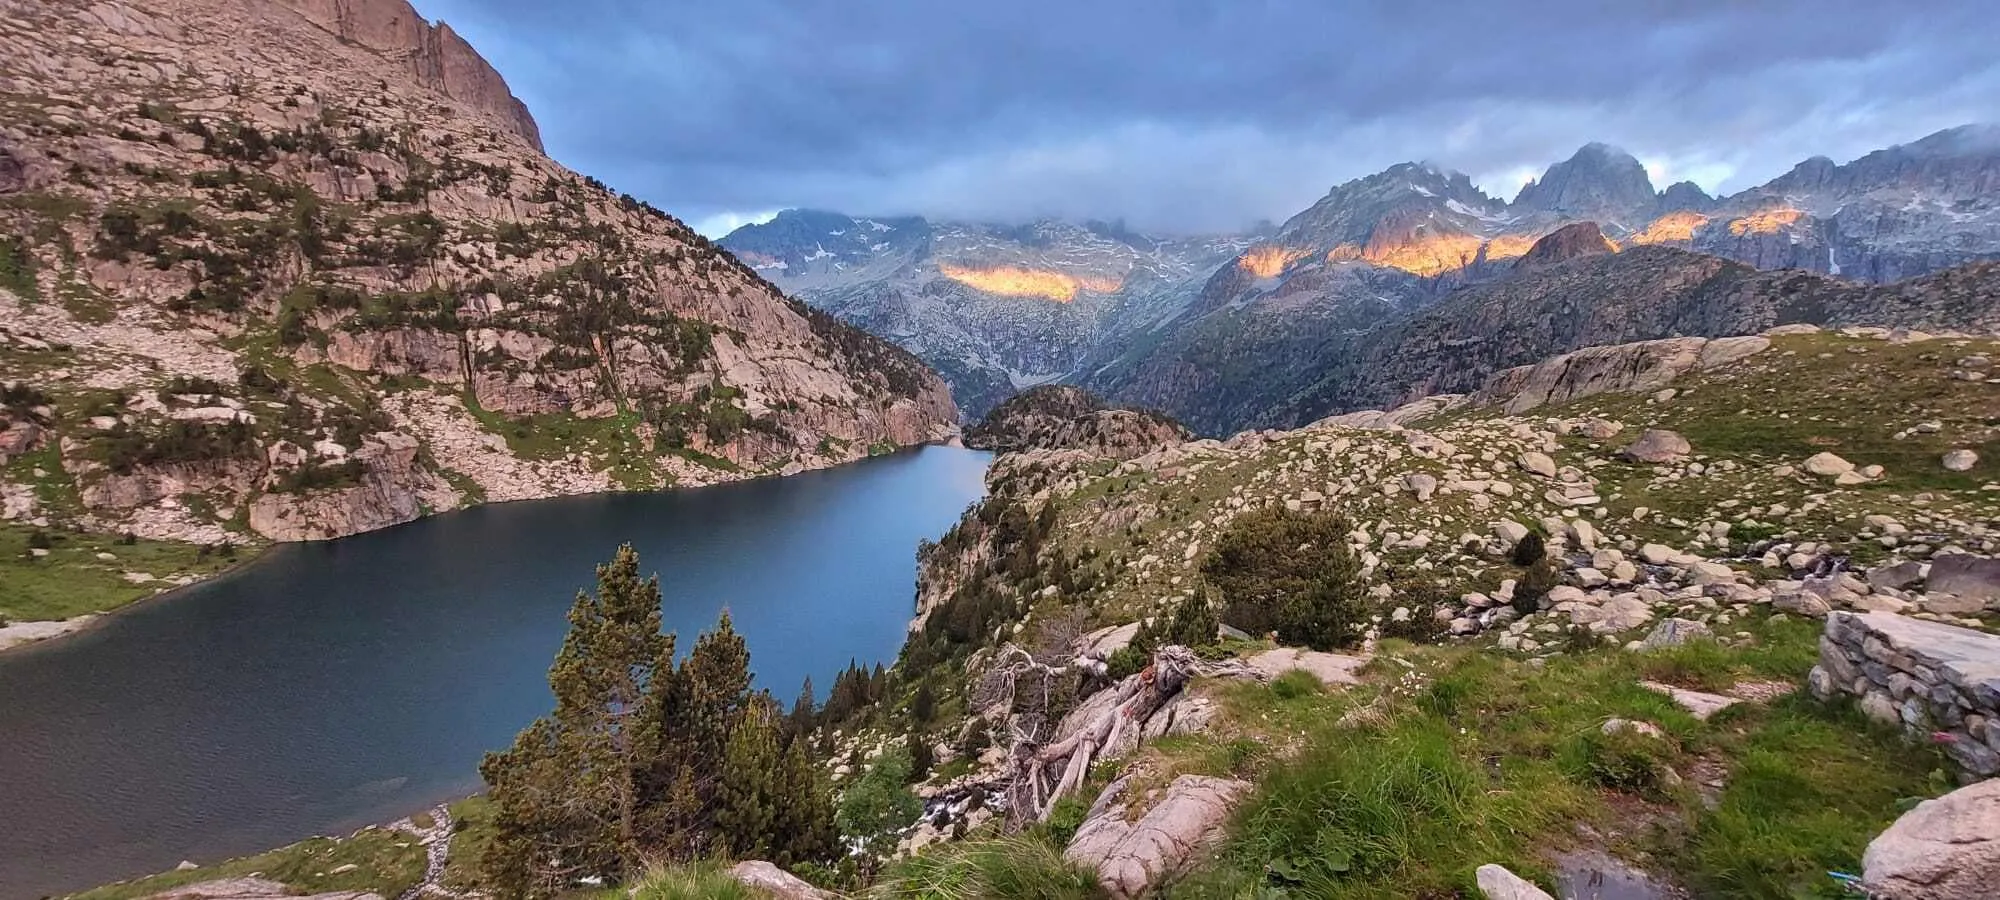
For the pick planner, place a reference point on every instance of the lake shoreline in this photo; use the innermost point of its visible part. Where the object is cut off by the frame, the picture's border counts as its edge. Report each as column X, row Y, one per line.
column 16, row 636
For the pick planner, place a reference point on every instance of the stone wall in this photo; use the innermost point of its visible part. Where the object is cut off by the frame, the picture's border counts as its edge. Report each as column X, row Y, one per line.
column 1938, row 682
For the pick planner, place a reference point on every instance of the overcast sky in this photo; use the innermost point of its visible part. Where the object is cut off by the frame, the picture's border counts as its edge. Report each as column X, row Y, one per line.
column 1181, row 115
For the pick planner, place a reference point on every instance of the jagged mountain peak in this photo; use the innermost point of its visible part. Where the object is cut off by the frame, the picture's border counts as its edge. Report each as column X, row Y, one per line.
column 1598, row 181
column 1685, row 195
column 433, row 53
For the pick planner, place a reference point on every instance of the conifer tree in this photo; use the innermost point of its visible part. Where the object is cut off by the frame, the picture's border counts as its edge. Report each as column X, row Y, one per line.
column 644, row 759
column 804, row 826
column 805, row 711
column 567, row 795
column 750, row 788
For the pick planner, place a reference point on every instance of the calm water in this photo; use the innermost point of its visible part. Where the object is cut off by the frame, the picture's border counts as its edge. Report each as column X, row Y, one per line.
column 333, row 685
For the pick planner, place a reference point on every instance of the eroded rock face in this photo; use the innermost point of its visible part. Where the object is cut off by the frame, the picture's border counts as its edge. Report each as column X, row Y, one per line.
column 1133, row 857
column 1944, row 849
column 437, row 57
column 1642, row 366
column 395, row 489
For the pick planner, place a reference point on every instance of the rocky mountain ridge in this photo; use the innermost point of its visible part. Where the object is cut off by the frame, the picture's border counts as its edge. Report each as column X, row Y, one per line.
column 1228, row 347
column 436, row 56
column 995, row 309
column 292, row 269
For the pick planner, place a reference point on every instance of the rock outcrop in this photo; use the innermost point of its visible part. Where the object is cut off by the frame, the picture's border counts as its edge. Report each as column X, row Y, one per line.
column 1946, row 848
column 1642, row 366
column 251, row 888
column 774, row 882
column 1498, row 883
column 1564, row 244
column 1131, row 857
column 1927, row 678
column 1061, row 417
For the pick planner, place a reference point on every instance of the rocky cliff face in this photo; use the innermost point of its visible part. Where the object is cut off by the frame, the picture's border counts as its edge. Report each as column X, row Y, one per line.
column 1061, row 417
column 297, row 268
column 433, row 54
column 1564, row 244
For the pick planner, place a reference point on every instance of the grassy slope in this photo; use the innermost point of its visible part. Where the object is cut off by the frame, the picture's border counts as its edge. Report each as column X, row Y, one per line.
column 1478, row 757
column 1450, row 758
column 385, row 862
column 72, row 580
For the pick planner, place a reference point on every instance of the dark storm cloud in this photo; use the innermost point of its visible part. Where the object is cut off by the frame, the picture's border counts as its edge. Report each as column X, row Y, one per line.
column 1195, row 115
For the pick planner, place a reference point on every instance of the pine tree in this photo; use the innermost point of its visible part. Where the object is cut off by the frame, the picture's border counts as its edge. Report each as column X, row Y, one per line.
column 750, row 788
column 1194, row 623
column 644, row 758
column 804, row 829
column 804, row 712
column 923, row 704
column 567, row 794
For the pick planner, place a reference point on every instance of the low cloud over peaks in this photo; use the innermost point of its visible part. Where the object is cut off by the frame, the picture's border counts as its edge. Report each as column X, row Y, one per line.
column 1189, row 116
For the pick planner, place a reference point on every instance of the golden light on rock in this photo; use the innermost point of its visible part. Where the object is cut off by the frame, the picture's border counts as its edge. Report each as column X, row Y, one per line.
column 1672, row 228
column 1434, row 254
column 1765, row 221
column 1018, row 281
column 1269, row 261
column 1430, row 255
column 1510, row 246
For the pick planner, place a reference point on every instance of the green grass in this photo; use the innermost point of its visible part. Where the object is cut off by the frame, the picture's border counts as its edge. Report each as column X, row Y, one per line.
column 17, row 269
column 1864, row 392
column 1016, row 868
column 83, row 300
column 385, row 862
column 72, row 581
column 611, row 444
column 1810, row 787
column 703, row 881
column 1469, row 757
column 471, row 831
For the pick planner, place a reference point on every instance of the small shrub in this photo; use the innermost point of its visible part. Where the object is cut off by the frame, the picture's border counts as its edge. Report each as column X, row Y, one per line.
column 17, row 267
column 1290, row 573
column 1015, row 868
column 1532, row 549
column 1127, row 661
column 1534, row 585
column 704, row 881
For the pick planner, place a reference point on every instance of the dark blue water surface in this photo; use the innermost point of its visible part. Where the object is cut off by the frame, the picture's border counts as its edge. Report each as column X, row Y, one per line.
column 332, row 685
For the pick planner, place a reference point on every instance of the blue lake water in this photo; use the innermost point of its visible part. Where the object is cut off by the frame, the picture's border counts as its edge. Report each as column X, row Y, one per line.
column 328, row 686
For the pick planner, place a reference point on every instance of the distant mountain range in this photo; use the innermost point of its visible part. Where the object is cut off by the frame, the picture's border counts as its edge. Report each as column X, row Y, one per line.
column 1233, row 331
column 994, row 309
